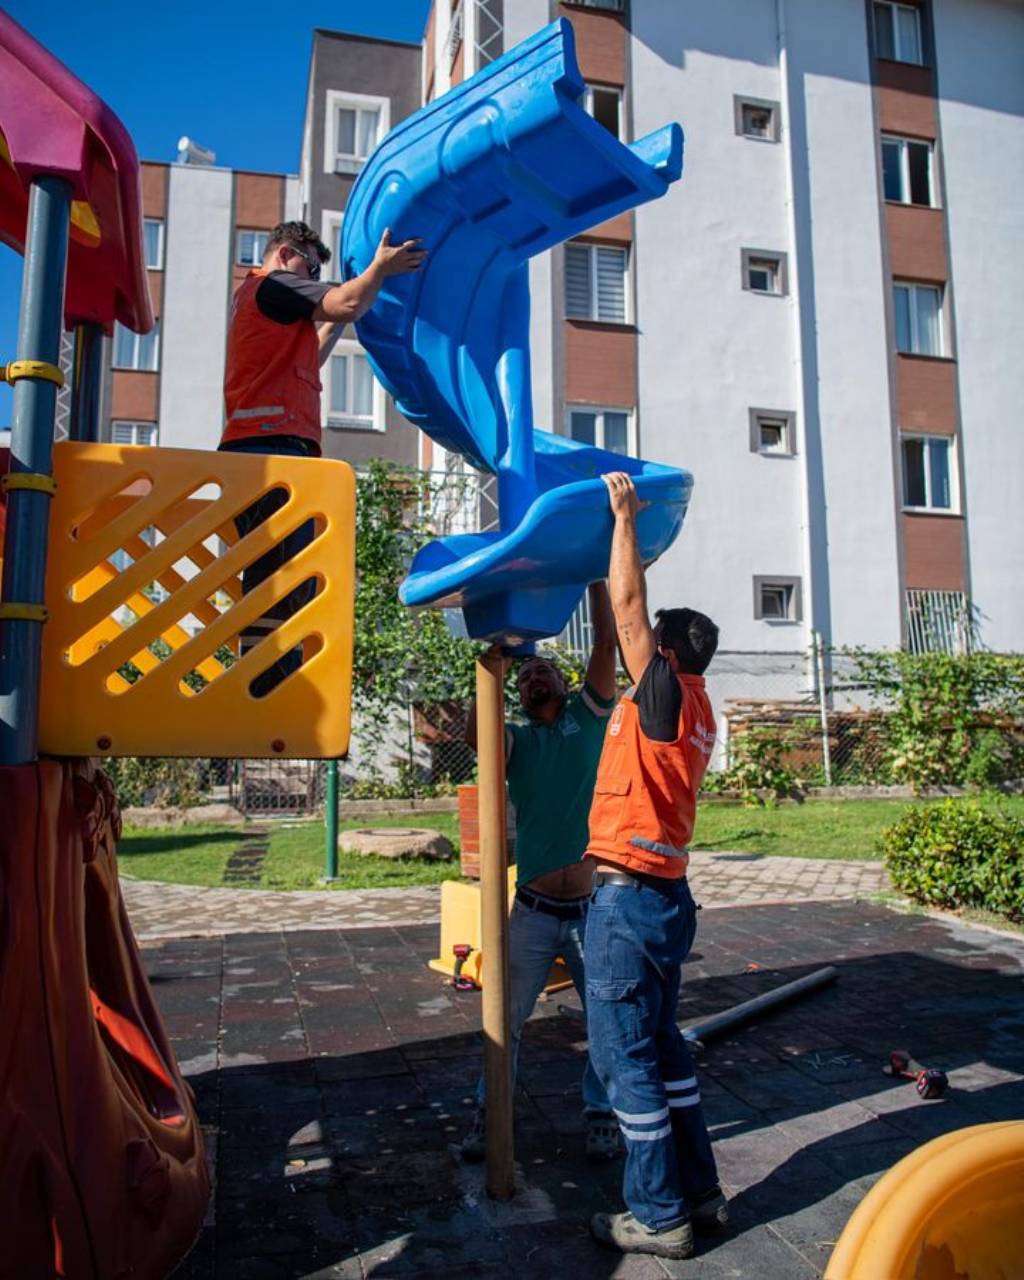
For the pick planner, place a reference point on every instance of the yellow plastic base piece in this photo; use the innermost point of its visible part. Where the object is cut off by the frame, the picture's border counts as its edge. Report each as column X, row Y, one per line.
column 460, row 925
column 144, row 590
column 951, row 1209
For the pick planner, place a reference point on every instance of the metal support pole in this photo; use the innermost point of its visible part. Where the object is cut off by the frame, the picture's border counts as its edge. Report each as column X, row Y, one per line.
column 819, row 661
column 331, row 823
column 88, row 378
column 490, row 711
column 28, row 510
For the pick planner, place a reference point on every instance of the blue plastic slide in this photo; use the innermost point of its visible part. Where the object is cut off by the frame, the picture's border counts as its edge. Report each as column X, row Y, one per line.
column 502, row 167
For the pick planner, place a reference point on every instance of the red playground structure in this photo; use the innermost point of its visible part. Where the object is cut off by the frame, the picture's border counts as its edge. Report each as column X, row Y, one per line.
column 102, row 1166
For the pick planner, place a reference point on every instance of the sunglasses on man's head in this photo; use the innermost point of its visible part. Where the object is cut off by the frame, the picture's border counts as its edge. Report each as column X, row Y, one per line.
column 313, row 265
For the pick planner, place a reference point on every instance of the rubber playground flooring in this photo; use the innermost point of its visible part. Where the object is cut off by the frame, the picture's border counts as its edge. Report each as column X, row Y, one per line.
column 334, row 1074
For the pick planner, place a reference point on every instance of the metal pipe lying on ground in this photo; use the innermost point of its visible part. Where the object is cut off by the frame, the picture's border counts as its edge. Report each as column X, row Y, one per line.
column 699, row 1032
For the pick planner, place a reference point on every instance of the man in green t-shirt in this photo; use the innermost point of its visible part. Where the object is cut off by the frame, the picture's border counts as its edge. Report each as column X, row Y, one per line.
column 551, row 767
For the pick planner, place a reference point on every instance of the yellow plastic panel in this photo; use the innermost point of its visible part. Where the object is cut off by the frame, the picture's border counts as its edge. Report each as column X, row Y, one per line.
column 460, row 924
column 144, row 590
column 951, row 1209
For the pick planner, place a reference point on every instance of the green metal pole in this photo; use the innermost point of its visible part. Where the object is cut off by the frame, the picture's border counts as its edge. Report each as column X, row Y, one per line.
column 331, row 823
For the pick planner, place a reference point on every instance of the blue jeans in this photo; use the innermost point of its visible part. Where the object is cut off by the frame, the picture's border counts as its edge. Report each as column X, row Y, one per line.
column 637, row 937
column 252, row 575
column 535, row 941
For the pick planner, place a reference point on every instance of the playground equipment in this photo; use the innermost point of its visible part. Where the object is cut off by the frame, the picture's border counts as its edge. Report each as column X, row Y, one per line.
column 504, row 166
column 102, row 1166
column 950, row 1209
column 499, row 169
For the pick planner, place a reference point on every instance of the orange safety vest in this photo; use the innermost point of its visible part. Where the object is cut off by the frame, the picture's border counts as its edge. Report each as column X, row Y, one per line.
column 272, row 377
column 645, row 797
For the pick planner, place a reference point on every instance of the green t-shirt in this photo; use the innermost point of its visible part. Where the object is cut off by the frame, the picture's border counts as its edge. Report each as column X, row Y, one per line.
column 551, row 772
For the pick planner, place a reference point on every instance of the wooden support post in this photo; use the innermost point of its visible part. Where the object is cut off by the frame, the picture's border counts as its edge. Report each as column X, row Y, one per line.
column 490, row 711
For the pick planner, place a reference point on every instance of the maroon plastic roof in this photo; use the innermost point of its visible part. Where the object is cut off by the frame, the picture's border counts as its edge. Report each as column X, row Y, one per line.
column 50, row 123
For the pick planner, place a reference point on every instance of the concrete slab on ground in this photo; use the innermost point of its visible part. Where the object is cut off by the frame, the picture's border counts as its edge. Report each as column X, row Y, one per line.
column 335, row 1075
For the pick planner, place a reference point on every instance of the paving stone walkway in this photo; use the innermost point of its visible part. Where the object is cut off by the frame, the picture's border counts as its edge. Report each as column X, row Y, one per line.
column 334, row 1075
column 718, row 879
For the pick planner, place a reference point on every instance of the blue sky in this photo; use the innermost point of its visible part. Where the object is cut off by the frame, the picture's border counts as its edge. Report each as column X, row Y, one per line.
column 229, row 74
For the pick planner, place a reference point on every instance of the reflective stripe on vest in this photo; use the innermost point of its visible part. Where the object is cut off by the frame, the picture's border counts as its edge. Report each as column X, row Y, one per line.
column 655, row 846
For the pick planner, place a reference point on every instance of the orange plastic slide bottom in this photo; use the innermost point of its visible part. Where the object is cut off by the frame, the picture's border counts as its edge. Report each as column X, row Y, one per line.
column 951, row 1210
column 102, row 1167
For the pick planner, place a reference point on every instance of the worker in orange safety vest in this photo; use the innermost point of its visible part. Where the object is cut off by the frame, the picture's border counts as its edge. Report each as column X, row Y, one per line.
column 642, row 917
column 284, row 324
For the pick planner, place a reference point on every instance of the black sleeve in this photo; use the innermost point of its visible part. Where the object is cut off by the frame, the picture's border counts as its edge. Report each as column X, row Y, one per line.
column 659, row 700
column 285, row 297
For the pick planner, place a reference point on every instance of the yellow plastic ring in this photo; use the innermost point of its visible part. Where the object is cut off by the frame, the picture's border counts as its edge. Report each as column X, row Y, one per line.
column 33, row 480
column 24, row 613
column 40, row 369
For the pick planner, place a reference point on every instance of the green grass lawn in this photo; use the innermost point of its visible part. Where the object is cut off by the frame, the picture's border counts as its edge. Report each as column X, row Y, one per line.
column 815, row 829
column 295, row 859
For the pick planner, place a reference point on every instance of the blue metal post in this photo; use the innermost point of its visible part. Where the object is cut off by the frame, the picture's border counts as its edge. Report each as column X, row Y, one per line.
column 88, row 378
column 28, row 511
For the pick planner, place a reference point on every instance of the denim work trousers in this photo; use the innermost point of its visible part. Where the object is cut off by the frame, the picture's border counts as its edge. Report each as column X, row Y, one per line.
column 262, row 509
column 535, row 941
column 637, row 937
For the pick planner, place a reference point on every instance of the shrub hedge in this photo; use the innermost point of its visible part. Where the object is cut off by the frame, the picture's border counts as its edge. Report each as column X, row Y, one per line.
column 958, row 853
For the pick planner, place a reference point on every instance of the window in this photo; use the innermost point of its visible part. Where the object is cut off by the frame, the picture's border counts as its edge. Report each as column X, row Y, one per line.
column 605, row 428
column 939, row 622
column 764, row 272
column 132, row 432
column 350, row 390
column 777, row 599
column 918, row 310
column 773, row 432
column 907, row 171
column 136, row 350
column 330, row 234
column 898, row 32
column 756, row 118
column 251, row 247
column 605, row 105
column 595, row 282
column 612, row 6
column 355, row 123
column 153, row 239
column 928, row 463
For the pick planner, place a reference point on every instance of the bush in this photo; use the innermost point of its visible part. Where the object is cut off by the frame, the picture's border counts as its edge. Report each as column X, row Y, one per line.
column 959, row 853
column 166, row 783
column 758, row 769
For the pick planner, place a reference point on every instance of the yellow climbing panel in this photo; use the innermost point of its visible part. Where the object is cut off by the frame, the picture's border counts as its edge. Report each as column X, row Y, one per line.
column 144, row 591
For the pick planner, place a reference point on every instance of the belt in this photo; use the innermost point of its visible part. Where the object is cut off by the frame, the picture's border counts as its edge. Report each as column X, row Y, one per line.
column 633, row 879
column 569, row 909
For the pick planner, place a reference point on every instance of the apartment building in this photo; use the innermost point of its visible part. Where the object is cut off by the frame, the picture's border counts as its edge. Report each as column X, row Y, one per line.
column 818, row 320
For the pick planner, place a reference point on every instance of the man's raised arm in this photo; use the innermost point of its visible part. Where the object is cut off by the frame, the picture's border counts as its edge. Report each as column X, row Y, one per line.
column 627, row 584
column 346, row 303
column 601, row 668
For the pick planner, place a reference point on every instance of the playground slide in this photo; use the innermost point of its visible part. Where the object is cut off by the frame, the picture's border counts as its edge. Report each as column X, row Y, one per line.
column 951, row 1210
column 505, row 166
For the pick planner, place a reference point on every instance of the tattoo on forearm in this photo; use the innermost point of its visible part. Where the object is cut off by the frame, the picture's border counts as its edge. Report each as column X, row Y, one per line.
column 627, row 633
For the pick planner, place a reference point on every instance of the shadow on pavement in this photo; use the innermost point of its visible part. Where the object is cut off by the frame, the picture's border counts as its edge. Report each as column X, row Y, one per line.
column 348, row 1071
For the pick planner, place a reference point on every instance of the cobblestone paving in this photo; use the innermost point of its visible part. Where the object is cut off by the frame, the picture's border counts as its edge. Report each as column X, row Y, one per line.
column 718, row 879
column 334, row 1075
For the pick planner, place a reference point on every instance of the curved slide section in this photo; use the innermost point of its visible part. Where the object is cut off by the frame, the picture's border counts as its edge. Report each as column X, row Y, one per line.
column 503, row 167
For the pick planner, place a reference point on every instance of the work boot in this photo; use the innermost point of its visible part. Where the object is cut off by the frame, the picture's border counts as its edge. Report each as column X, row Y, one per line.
column 474, row 1144
column 622, row 1231
column 602, row 1137
column 709, row 1212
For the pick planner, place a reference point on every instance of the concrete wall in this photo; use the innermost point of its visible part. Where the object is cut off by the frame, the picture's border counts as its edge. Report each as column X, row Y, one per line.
column 198, row 255
column 980, row 59
column 833, row 148
column 708, row 350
